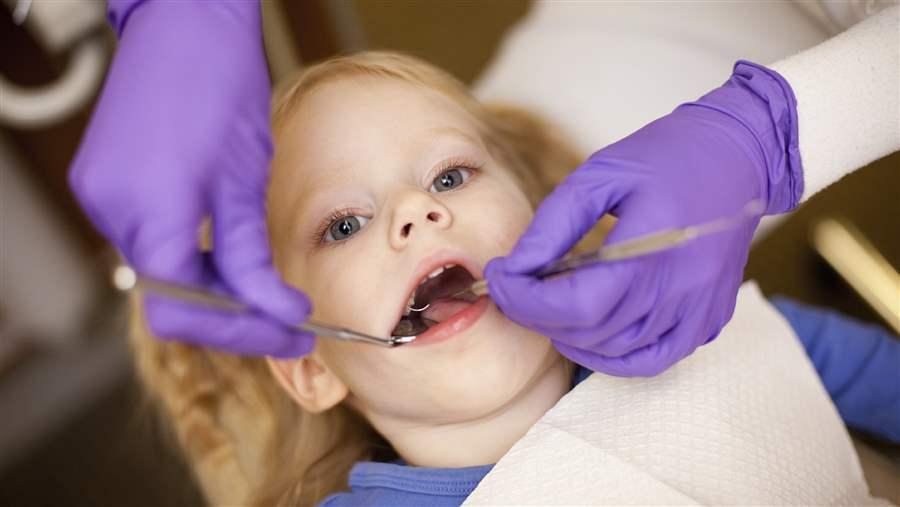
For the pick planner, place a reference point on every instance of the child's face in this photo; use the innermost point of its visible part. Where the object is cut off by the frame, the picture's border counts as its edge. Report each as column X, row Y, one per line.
column 372, row 149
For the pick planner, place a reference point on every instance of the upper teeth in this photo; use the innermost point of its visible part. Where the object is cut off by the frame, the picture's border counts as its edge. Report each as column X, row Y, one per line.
column 436, row 272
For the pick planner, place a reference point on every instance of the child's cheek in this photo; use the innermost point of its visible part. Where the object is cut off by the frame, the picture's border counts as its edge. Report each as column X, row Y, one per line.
column 501, row 215
column 506, row 230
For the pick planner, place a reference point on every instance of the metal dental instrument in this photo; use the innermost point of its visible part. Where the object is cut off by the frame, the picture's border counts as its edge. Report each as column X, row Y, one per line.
column 635, row 247
column 125, row 278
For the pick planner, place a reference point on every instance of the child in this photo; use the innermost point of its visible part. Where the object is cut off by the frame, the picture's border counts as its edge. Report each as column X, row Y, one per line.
column 387, row 175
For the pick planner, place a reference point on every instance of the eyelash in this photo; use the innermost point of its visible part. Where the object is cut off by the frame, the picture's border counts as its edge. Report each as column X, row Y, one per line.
column 453, row 163
column 322, row 229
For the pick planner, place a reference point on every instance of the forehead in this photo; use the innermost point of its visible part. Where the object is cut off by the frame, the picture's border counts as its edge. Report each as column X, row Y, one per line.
column 367, row 119
column 379, row 94
column 365, row 108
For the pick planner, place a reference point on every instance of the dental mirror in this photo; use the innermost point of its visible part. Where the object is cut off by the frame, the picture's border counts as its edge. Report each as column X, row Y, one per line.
column 125, row 279
column 411, row 325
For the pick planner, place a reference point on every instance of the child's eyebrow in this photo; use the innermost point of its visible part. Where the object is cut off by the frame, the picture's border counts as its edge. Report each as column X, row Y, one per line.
column 455, row 132
column 309, row 199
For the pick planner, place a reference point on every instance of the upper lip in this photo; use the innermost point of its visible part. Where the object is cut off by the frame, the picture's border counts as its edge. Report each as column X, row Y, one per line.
column 429, row 264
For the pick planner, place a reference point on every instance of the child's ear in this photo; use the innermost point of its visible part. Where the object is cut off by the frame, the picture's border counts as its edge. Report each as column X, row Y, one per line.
column 309, row 381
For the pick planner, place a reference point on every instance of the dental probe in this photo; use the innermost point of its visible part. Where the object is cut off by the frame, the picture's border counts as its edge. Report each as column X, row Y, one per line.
column 125, row 279
column 635, row 247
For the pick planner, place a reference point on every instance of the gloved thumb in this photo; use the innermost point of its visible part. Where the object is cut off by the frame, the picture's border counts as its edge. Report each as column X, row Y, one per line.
column 563, row 218
column 243, row 257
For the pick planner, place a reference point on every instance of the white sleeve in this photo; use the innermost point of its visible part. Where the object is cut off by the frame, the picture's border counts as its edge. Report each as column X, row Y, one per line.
column 848, row 99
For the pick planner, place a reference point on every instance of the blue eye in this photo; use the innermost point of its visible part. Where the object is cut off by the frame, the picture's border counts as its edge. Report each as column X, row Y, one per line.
column 450, row 179
column 344, row 227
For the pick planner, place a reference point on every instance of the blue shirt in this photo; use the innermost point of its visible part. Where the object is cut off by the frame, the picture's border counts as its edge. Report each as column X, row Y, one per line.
column 859, row 365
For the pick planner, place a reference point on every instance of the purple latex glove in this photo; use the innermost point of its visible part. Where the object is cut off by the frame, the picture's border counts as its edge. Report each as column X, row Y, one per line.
column 181, row 132
column 705, row 160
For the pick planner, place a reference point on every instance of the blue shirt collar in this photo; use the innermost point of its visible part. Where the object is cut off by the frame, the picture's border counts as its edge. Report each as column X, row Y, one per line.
column 432, row 481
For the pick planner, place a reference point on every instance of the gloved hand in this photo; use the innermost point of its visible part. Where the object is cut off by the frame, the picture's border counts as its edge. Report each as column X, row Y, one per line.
column 181, row 132
column 705, row 160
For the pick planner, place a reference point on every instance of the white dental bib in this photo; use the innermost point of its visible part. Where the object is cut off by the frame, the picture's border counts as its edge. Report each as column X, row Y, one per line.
column 744, row 420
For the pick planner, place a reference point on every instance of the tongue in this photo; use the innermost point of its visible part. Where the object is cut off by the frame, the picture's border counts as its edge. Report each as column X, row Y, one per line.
column 443, row 309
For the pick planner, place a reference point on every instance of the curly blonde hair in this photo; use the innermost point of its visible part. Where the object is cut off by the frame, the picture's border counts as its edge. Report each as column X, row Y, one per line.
column 246, row 440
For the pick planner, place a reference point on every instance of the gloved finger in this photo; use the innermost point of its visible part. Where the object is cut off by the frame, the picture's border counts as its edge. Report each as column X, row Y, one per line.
column 239, row 333
column 671, row 347
column 640, row 215
column 584, row 346
column 616, row 325
column 641, row 333
column 636, row 337
column 242, row 254
column 567, row 214
column 582, row 300
column 242, row 333
column 586, row 343
column 166, row 245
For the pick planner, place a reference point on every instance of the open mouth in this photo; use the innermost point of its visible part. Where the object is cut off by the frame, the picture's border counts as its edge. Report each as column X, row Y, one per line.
column 435, row 296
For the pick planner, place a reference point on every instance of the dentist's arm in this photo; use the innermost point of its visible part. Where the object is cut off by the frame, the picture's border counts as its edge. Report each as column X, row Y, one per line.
column 181, row 132
column 707, row 159
column 848, row 99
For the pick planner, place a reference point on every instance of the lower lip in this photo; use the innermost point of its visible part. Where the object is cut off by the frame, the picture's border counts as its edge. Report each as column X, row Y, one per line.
column 454, row 325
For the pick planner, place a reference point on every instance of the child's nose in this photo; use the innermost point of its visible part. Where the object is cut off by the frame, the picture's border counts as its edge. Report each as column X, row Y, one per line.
column 416, row 213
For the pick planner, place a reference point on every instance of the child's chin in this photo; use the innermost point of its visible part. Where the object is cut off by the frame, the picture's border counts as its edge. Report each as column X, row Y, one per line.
column 512, row 331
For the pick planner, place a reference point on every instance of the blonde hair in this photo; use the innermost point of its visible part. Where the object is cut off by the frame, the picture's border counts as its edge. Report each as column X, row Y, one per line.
column 246, row 440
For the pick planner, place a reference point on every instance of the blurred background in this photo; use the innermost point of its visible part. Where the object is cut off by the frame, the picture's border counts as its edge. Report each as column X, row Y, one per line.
column 75, row 429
